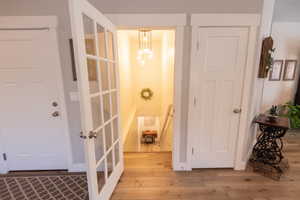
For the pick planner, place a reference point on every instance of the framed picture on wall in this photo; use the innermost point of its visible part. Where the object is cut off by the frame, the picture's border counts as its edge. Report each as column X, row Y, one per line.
column 289, row 70
column 276, row 71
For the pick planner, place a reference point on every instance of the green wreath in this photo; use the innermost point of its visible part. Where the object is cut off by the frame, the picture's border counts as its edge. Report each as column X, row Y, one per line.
column 146, row 94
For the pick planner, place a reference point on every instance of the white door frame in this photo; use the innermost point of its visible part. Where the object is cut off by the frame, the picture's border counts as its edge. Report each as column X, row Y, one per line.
column 252, row 22
column 176, row 22
column 39, row 23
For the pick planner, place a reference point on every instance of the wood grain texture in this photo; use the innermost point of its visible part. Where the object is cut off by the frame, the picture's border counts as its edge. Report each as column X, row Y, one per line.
column 148, row 176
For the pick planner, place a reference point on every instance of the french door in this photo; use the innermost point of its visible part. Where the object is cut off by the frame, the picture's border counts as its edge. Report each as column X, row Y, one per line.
column 94, row 39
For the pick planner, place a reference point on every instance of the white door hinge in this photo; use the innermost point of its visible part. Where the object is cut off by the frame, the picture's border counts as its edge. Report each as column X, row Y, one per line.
column 198, row 45
column 4, row 156
column 195, row 101
column 192, row 151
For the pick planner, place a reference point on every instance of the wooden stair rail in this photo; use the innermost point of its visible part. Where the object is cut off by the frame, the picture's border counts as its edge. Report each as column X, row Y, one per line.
column 168, row 117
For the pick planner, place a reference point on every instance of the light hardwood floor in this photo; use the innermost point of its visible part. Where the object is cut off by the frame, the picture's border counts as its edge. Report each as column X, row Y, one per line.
column 148, row 176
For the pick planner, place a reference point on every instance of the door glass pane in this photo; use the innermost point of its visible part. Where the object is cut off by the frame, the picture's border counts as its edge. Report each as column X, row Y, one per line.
column 117, row 154
column 110, row 165
column 116, row 129
column 89, row 35
column 112, row 69
column 108, row 136
column 101, row 41
column 99, row 145
column 106, row 107
column 96, row 111
column 104, row 75
column 101, row 175
column 111, row 54
column 93, row 76
column 114, row 103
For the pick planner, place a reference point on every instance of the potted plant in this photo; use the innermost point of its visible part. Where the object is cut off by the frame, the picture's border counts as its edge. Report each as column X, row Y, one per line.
column 273, row 113
column 293, row 113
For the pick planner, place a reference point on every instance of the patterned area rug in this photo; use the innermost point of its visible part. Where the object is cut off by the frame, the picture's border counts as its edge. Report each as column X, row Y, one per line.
column 56, row 187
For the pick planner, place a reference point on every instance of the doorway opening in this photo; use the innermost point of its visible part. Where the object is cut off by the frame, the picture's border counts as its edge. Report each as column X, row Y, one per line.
column 146, row 68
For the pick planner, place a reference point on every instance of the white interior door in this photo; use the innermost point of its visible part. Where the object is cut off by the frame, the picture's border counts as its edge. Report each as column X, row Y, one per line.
column 217, row 81
column 95, row 50
column 33, row 137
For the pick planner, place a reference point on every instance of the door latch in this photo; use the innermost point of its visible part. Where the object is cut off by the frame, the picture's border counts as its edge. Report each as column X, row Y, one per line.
column 82, row 136
column 237, row 111
column 55, row 114
column 92, row 135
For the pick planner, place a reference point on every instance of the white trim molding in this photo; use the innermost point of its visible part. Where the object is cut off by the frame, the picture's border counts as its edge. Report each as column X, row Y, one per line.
column 258, row 83
column 225, row 20
column 77, row 167
column 153, row 20
column 161, row 21
column 28, row 22
column 252, row 22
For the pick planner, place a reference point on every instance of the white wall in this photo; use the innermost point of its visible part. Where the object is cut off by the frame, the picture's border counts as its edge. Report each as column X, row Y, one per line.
column 287, row 11
column 286, row 37
column 175, row 6
column 127, row 83
column 167, row 81
column 147, row 76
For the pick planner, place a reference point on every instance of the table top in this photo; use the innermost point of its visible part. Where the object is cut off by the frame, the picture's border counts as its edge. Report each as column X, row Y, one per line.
column 281, row 122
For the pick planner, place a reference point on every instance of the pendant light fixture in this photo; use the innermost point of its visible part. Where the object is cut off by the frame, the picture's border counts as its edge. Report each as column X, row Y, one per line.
column 145, row 46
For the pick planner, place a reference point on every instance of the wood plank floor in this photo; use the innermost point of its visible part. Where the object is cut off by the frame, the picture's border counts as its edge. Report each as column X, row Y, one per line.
column 148, row 176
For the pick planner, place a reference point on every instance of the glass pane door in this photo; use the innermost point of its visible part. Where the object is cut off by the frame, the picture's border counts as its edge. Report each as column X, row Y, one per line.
column 99, row 97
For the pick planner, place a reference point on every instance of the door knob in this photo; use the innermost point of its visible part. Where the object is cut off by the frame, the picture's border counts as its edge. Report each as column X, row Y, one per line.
column 55, row 114
column 237, row 110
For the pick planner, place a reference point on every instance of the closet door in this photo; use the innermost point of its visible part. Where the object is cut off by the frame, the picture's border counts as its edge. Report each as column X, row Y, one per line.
column 217, row 82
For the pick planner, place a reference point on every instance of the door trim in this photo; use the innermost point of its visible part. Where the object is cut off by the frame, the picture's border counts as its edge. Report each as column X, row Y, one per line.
column 176, row 22
column 50, row 23
column 251, row 21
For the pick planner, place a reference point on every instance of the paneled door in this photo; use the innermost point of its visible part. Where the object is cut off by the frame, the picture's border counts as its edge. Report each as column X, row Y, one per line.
column 32, row 128
column 217, row 84
column 94, row 39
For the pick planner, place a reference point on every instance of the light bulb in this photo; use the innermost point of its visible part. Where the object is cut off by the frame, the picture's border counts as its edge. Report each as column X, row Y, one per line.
column 147, row 51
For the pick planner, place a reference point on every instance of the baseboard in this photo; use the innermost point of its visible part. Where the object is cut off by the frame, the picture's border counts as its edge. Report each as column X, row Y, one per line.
column 3, row 171
column 3, row 167
column 182, row 166
column 243, row 164
column 78, row 167
column 128, row 126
